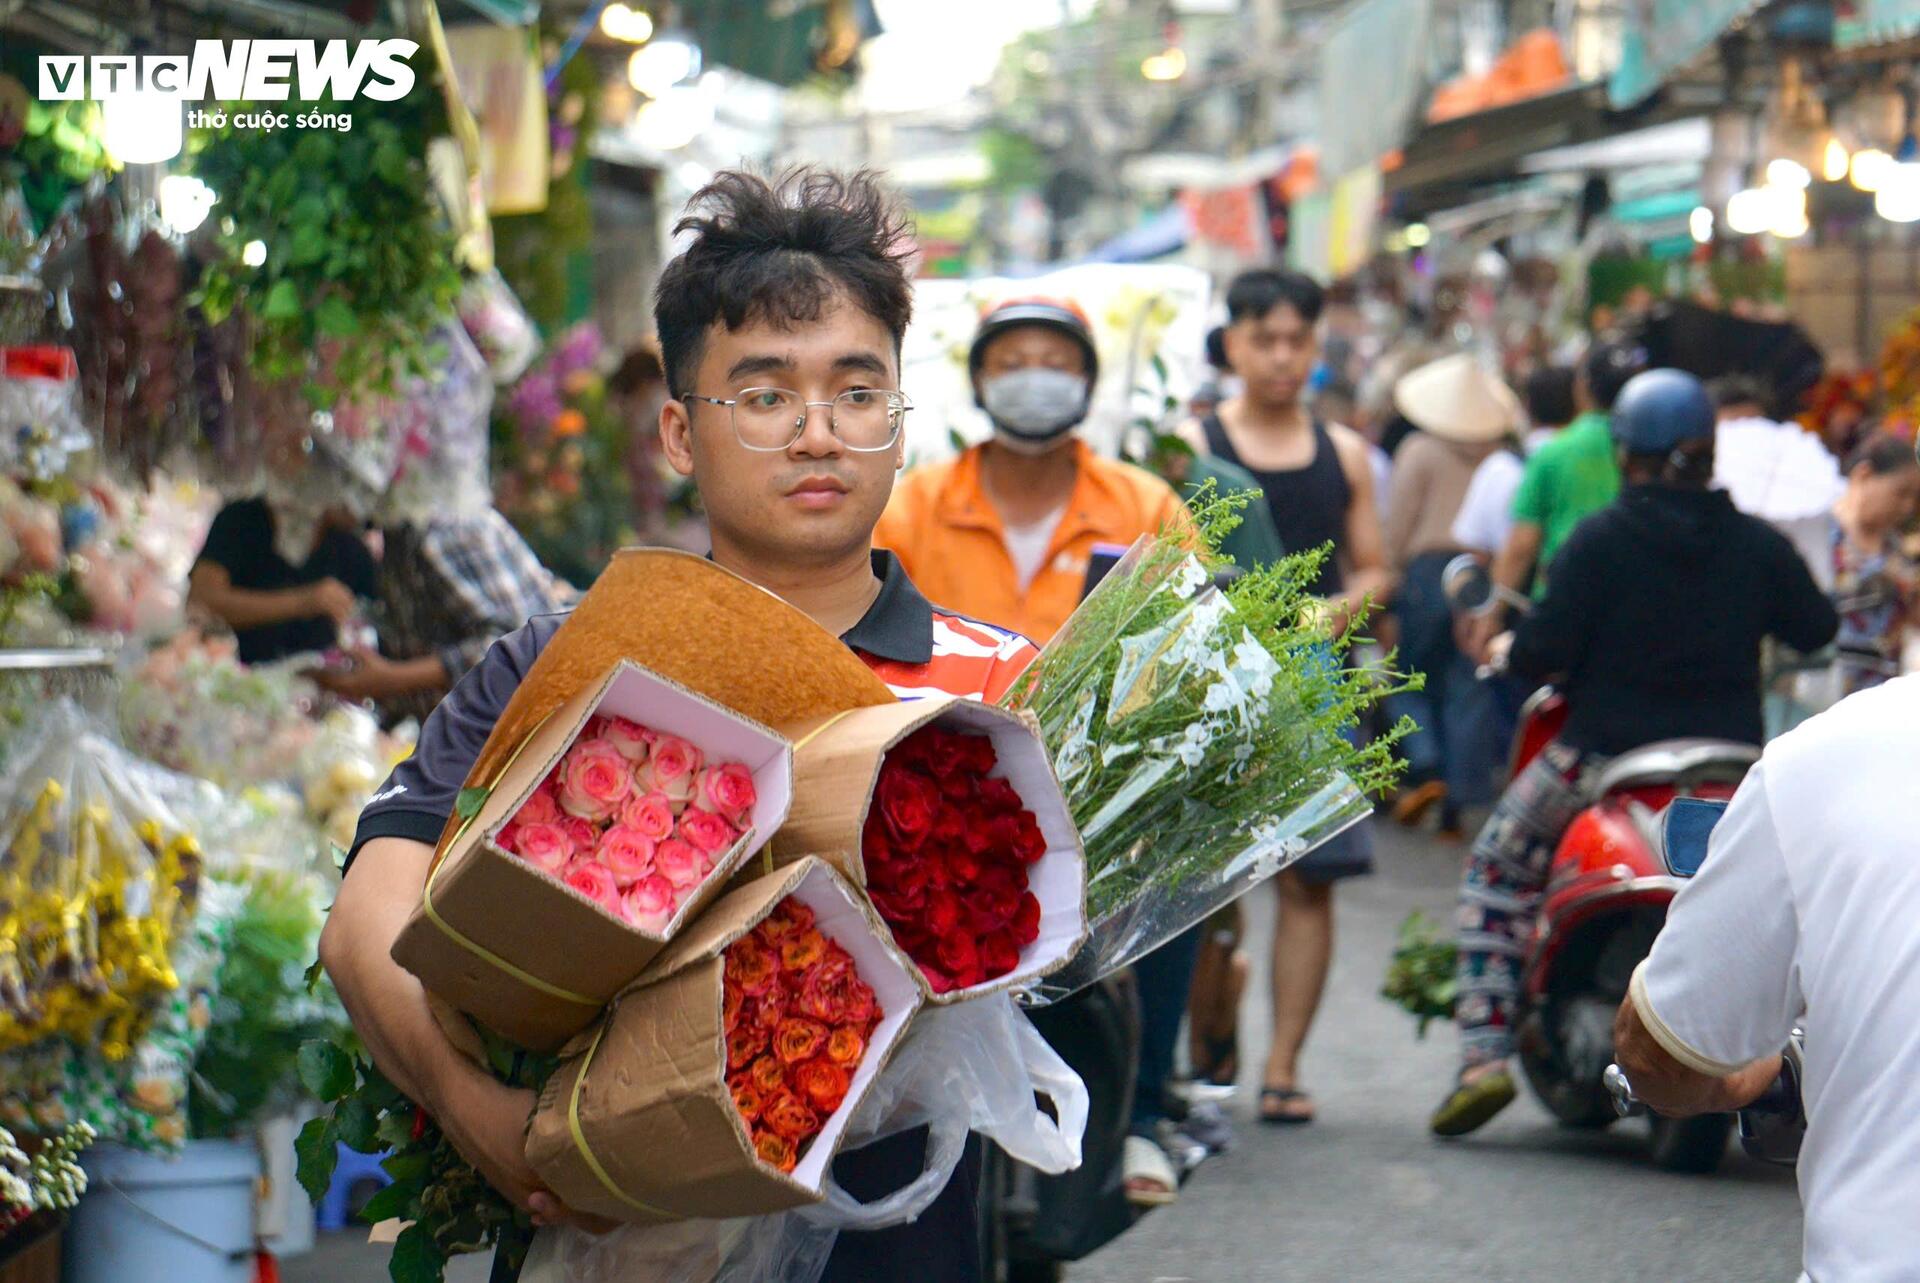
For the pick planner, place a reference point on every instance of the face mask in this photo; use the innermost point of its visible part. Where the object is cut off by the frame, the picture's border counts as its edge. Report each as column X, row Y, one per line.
column 1035, row 407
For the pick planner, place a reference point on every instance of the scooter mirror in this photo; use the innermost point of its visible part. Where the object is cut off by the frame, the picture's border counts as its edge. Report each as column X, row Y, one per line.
column 1686, row 831
column 1468, row 586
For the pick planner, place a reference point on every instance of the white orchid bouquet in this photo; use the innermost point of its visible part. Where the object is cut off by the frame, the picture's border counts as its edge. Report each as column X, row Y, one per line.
column 1200, row 718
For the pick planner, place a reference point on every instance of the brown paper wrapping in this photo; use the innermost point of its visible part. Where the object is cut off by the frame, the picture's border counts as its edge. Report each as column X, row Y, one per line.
column 654, row 1111
column 706, row 628
column 836, row 767
column 526, row 955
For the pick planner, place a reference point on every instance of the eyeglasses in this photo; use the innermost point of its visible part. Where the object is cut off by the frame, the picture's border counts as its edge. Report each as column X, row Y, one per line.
column 866, row 420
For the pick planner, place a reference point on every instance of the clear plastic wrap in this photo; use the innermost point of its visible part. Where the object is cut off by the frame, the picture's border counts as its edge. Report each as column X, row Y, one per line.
column 1197, row 733
column 97, row 889
column 975, row 1066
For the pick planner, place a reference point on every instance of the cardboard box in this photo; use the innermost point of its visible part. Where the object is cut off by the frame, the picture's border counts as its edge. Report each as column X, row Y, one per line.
column 693, row 623
column 836, row 768
column 658, row 1137
column 564, row 955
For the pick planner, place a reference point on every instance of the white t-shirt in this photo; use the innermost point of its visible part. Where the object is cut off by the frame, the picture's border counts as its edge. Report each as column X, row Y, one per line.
column 1027, row 545
column 1486, row 514
column 1808, row 909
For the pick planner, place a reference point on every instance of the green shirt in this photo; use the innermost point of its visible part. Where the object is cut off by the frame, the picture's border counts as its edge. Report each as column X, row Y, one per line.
column 1567, row 480
column 1255, row 542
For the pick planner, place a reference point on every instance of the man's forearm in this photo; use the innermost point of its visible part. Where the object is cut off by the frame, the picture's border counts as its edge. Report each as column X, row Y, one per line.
column 251, row 608
column 1513, row 564
column 386, row 1003
column 1668, row 1087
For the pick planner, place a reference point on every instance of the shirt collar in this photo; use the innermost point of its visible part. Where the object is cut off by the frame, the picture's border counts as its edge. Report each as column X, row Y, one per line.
column 899, row 624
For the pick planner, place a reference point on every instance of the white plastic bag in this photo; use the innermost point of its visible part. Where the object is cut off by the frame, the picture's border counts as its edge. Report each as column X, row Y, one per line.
column 972, row 1067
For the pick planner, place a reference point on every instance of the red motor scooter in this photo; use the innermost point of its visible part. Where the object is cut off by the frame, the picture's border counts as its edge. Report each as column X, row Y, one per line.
column 1606, row 899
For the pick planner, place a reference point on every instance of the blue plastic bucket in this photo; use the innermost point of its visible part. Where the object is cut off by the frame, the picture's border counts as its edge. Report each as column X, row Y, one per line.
column 146, row 1219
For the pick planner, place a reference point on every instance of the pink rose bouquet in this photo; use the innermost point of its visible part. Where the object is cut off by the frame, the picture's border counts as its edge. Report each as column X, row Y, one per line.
column 632, row 819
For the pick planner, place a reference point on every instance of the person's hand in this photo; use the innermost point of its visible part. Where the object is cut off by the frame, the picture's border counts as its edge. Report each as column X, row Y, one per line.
column 331, row 598
column 487, row 1122
column 1744, row 1086
column 1498, row 650
column 1481, row 630
column 373, row 676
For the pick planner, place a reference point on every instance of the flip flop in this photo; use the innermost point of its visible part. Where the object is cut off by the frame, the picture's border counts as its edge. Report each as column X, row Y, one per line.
column 1150, row 1178
column 1274, row 1100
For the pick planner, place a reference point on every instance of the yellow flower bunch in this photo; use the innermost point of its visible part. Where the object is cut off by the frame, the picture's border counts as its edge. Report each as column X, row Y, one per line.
column 89, row 909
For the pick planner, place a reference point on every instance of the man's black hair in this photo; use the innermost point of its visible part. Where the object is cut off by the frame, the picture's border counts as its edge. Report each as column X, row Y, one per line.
column 1217, row 349
column 1609, row 367
column 781, row 251
column 1549, row 397
column 1736, row 389
column 1883, row 453
column 1254, row 294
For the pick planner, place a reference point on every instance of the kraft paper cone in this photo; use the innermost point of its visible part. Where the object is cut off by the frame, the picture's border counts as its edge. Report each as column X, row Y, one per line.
column 694, row 623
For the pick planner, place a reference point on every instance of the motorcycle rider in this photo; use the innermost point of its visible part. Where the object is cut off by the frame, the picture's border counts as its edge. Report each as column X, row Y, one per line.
column 1652, row 622
column 1808, row 902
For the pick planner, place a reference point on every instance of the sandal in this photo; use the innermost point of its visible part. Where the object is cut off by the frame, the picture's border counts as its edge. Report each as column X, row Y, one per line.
column 1150, row 1178
column 1472, row 1105
column 1275, row 1103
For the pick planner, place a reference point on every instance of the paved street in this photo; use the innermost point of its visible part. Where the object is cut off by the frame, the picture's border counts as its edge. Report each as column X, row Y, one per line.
column 1364, row 1194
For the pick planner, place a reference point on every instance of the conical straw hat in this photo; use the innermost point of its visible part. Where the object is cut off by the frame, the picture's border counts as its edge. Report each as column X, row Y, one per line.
column 1456, row 399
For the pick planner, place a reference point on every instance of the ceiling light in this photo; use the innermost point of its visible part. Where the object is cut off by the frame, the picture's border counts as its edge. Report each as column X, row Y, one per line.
column 1700, row 224
column 1835, row 163
column 1788, row 173
column 1750, row 212
column 1419, row 235
column 1870, row 168
column 659, row 66
column 619, row 22
column 254, row 253
column 185, row 202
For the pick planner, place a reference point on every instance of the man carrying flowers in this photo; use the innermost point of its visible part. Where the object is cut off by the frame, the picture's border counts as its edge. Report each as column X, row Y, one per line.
column 780, row 326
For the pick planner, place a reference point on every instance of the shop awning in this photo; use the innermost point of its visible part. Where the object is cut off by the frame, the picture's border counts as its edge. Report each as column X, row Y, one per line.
column 1665, row 35
column 1445, row 161
column 1373, row 82
column 784, row 42
column 1877, row 22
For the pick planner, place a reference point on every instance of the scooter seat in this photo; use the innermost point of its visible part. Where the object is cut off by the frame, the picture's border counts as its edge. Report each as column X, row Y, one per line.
column 1682, row 763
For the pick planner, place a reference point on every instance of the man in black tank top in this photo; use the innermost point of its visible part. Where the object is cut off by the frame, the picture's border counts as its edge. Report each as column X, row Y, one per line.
column 1317, row 480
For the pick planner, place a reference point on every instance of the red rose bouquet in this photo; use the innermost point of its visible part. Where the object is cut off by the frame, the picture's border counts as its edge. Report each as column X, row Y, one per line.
column 946, row 847
column 798, row 1018
column 632, row 819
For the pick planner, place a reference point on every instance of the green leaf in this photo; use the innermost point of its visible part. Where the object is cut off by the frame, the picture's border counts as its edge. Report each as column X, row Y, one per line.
column 309, row 245
column 390, row 1202
column 415, row 1257
column 314, row 975
column 1159, row 364
column 396, row 1128
column 316, row 1152
column 467, row 803
column 412, row 1165
column 357, row 1125
column 283, row 302
column 390, row 163
column 325, row 1070
column 335, row 317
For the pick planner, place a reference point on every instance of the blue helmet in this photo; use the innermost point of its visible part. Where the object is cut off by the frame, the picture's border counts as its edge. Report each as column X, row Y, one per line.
column 1660, row 411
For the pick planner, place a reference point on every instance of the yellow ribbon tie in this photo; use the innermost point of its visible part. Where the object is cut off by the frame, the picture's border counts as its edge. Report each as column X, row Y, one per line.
column 474, row 947
column 580, row 1135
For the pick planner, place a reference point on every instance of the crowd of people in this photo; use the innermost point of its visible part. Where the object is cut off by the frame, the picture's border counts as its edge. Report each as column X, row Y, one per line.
column 1585, row 484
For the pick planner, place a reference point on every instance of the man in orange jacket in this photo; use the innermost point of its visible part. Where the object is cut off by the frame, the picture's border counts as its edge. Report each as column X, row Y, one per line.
column 1005, row 531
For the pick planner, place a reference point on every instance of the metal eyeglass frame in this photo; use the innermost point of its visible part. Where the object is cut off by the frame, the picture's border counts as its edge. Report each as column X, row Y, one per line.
column 800, row 424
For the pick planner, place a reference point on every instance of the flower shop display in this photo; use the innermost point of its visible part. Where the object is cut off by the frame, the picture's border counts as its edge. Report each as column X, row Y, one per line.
column 560, row 846
column 560, row 451
column 798, row 1019
column 358, row 258
column 945, row 811
column 749, row 1006
column 49, row 1180
column 97, row 889
column 498, row 325
column 1200, row 733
